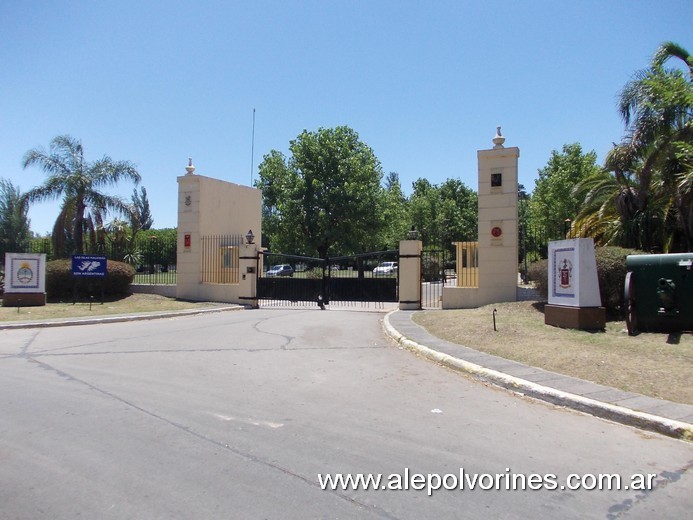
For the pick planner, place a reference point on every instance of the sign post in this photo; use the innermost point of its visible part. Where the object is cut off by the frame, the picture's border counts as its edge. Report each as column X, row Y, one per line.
column 25, row 280
column 574, row 298
column 88, row 266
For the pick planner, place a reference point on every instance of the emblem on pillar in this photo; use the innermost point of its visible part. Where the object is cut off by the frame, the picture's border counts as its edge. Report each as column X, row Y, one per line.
column 565, row 271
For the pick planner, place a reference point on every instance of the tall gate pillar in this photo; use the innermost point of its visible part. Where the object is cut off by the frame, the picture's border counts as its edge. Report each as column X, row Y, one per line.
column 410, row 275
column 498, row 230
column 248, row 266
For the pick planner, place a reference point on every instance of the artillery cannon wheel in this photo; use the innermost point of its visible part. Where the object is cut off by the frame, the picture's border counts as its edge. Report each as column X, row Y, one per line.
column 631, row 318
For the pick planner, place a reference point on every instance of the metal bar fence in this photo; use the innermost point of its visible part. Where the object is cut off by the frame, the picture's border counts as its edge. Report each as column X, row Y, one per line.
column 220, row 259
column 437, row 271
column 153, row 258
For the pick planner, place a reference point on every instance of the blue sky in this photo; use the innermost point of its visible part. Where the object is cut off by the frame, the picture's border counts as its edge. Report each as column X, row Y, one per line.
column 423, row 83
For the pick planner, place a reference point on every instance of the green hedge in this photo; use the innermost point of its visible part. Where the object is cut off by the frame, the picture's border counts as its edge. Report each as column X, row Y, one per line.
column 611, row 271
column 60, row 282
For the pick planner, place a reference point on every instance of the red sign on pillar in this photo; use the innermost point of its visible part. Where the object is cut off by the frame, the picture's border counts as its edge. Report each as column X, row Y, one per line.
column 186, row 241
column 496, row 232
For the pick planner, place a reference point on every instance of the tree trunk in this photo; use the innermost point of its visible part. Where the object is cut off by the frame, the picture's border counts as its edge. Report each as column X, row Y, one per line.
column 79, row 227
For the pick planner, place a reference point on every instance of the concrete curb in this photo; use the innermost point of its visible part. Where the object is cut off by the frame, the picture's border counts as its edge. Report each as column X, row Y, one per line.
column 645, row 421
column 114, row 319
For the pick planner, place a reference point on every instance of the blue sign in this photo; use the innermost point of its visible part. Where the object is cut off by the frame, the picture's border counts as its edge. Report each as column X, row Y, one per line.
column 87, row 265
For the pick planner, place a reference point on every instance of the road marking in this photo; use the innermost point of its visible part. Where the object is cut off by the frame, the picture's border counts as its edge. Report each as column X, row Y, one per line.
column 253, row 422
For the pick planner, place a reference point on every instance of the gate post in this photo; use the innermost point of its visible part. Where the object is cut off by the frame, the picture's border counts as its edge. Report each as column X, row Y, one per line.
column 410, row 275
column 248, row 266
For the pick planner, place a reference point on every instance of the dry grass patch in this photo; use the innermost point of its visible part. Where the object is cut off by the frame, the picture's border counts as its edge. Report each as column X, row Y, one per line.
column 658, row 365
column 129, row 304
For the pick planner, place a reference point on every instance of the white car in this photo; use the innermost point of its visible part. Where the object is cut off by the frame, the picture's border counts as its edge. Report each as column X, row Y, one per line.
column 280, row 270
column 385, row 268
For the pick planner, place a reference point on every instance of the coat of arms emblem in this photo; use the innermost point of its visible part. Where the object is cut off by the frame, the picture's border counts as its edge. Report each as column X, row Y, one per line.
column 565, row 271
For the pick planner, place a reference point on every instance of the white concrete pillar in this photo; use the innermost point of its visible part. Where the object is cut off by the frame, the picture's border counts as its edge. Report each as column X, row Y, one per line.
column 189, row 253
column 498, row 222
column 248, row 265
column 410, row 275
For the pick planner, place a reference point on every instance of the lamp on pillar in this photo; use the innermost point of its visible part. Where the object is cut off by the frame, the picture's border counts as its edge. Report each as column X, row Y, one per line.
column 249, row 236
column 413, row 233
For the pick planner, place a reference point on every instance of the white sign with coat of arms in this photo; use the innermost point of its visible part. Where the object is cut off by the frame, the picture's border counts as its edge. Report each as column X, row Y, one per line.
column 573, row 279
column 25, row 272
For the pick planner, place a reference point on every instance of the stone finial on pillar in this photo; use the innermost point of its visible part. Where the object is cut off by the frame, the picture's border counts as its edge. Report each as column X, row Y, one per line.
column 190, row 168
column 498, row 140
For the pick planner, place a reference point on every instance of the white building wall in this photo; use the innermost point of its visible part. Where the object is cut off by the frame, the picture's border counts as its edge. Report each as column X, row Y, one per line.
column 208, row 206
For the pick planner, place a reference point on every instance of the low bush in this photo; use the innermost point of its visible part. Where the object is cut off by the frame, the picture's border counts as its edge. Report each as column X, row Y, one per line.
column 538, row 272
column 611, row 266
column 61, row 283
column 611, row 271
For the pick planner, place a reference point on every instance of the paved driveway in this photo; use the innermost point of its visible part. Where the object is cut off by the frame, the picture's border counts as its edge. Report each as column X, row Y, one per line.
column 234, row 415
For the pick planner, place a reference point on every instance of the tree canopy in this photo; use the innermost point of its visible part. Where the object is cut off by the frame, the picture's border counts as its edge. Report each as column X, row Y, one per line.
column 645, row 199
column 552, row 200
column 80, row 184
column 444, row 213
column 14, row 220
column 141, row 214
column 326, row 198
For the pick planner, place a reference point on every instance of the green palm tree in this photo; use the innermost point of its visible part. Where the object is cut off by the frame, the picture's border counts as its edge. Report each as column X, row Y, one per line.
column 657, row 108
column 648, row 189
column 14, row 216
column 79, row 183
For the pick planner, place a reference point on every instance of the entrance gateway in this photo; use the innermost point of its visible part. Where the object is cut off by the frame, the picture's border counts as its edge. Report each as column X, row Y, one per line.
column 292, row 279
column 214, row 264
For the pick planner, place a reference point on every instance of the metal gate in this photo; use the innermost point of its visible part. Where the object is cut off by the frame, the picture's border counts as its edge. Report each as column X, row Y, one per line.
column 299, row 280
column 437, row 270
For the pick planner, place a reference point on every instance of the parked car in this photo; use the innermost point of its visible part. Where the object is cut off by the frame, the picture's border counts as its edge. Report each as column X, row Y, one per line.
column 280, row 270
column 385, row 268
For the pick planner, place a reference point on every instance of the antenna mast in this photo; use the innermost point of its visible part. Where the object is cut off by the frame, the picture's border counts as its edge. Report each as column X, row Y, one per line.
column 252, row 151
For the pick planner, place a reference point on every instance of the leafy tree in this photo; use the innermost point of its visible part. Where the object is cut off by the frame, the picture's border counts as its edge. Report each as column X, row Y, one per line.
column 326, row 199
column 646, row 199
column 460, row 212
column 395, row 213
column 552, row 201
column 444, row 213
column 14, row 220
column 79, row 183
column 141, row 214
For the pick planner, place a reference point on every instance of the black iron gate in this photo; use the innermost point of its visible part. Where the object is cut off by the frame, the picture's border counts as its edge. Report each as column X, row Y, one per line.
column 437, row 270
column 300, row 280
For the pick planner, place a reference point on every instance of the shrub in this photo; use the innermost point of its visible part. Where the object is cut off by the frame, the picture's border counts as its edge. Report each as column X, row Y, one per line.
column 60, row 282
column 611, row 271
column 538, row 272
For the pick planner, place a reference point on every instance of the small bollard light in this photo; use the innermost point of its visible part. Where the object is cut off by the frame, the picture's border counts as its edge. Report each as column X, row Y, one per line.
column 494, row 320
column 321, row 304
column 91, row 300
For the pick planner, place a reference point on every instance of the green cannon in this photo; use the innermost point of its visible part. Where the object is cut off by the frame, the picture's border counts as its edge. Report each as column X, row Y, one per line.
column 659, row 293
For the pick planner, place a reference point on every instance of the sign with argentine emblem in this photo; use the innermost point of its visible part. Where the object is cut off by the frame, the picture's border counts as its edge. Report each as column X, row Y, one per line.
column 25, row 272
column 89, row 265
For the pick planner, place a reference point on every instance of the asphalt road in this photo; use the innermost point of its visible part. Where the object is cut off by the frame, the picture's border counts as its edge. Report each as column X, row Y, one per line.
column 234, row 415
